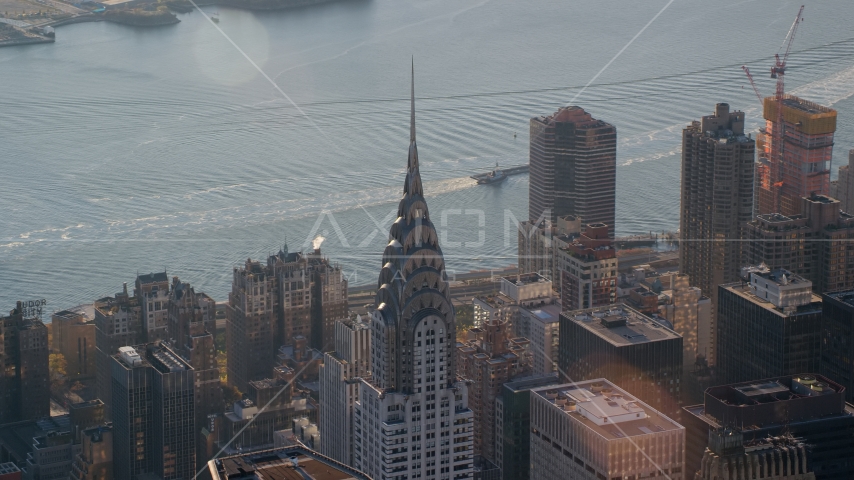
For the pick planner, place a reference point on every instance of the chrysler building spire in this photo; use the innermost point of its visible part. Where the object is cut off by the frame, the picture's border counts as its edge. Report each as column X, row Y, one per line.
column 412, row 108
column 413, row 377
column 412, row 290
column 412, row 163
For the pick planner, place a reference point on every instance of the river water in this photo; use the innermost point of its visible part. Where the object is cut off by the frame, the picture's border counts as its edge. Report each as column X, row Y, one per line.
column 128, row 150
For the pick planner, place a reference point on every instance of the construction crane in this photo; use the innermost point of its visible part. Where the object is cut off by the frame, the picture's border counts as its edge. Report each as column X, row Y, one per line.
column 752, row 83
column 778, row 72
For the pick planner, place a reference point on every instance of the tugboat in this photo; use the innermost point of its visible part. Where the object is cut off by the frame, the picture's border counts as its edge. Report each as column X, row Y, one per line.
column 495, row 176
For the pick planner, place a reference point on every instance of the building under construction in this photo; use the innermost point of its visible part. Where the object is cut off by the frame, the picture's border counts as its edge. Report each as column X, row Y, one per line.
column 803, row 167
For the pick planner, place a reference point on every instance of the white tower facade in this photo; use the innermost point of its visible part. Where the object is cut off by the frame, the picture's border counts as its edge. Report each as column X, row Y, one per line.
column 412, row 418
column 340, row 376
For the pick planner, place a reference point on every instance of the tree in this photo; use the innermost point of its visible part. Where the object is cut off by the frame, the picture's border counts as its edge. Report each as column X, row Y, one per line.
column 221, row 356
column 230, row 394
column 58, row 374
column 465, row 320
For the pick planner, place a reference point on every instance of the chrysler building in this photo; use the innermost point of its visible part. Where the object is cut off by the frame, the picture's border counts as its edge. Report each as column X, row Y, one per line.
column 412, row 418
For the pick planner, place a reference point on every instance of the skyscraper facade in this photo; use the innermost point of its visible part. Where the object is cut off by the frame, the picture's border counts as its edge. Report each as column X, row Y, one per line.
column 191, row 329
column 488, row 359
column 587, row 266
column 594, row 429
column 412, row 416
column 717, row 201
column 689, row 311
column 153, row 413
column 768, row 326
column 24, row 373
column 117, row 324
column 340, row 376
column 251, row 323
column 513, row 424
column 94, row 461
column 837, row 339
column 806, row 407
column 74, row 337
column 573, row 165
column 152, row 292
column 634, row 351
column 779, row 458
column 291, row 298
column 813, row 244
column 807, row 151
column 844, row 190
column 542, row 329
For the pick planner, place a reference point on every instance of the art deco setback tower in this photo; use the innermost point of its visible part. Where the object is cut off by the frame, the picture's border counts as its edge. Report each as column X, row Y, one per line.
column 573, row 160
column 250, row 327
column 412, row 418
column 717, row 200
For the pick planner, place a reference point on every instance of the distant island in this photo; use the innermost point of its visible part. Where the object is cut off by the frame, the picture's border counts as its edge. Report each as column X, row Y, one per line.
column 184, row 6
column 33, row 22
column 142, row 18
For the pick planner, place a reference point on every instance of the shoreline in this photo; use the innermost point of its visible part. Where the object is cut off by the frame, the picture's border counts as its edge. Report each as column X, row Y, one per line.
column 121, row 18
column 183, row 6
column 26, row 41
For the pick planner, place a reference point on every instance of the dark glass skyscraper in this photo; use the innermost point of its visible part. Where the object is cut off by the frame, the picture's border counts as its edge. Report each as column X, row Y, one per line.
column 573, row 160
column 767, row 327
column 837, row 339
column 808, row 407
column 24, row 373
column 636, row 352
column 153, row 413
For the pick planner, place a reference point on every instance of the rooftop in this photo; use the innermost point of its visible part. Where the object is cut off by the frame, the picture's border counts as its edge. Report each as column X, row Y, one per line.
column 154, row 355
column 547, row 313
column 151, row 277
column 773, row 402
column 845, row 296
column 288, row 463
column 780, row 277
column 16, row 439
column 745, row 291
column 621, row 325
column 805, row 105
column 525, row 279
column 573, row 114
column 775, row 390
column 74, row 314
column 774, row 217
column 496, row 300
column 533, row 381
column 610, row 411
column 8, row 468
